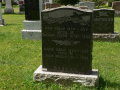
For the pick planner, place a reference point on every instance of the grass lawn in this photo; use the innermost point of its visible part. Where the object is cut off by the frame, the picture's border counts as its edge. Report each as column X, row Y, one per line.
column 20, row 58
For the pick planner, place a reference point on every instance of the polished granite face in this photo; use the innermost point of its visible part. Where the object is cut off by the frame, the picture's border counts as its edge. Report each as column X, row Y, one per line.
column 67, row 41
column 0, row 0
column 103, row 21
column 32, row 10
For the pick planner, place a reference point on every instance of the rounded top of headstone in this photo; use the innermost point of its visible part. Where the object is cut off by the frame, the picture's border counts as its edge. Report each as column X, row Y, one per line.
column 87, row 2
column 103, row 9
column 67, row 7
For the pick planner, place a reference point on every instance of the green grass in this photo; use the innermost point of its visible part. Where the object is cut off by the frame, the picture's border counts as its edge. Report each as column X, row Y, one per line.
column 20, row 58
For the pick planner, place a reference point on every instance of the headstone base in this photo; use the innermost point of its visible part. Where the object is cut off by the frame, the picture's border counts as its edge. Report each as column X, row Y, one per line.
column 67, row 78
column 117, row 13
column 2, row 22
column 21, row 12
column 9, row 10
column 31, row 30
column 106, row 37
column 31, row 34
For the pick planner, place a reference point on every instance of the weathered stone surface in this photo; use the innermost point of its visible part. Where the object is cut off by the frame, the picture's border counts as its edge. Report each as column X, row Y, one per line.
column 106, row 37
column 103, row 21
column 67, row 40
column 67, row 78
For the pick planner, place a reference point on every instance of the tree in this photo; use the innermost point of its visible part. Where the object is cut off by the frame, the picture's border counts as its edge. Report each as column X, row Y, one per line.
column 67, row 2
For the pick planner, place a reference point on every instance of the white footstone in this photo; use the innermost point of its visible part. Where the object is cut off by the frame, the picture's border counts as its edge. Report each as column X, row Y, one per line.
column 31, row 30
column 60, row 77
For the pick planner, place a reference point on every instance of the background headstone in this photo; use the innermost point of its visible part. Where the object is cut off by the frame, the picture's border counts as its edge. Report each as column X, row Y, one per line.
column 21, row 6
column 1, row 19
column 67, row 41
column 32, row 22
column 116, row 7
column 103, row 21
column 8, row 7
column 32, row 10
column 90, row 5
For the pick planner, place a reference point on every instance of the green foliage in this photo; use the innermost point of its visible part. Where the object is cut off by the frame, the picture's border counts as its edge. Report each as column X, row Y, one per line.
column 66, row 2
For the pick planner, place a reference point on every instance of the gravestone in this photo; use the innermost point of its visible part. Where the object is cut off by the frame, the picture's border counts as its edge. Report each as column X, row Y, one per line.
column 32, row 22
column 32, row 10
column 116, row 7
column 67, row 46
column 21, row 7
column 90, row 5
column 1, row 19
column 8, row 7
column 103, row 21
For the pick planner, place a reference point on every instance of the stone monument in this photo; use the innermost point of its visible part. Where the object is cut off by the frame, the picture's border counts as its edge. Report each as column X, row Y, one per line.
column 103, row 24
column 21, row 7
column 67, row 47
column 103, row 21
column 90, row 5
column 1, row 19
column 8, row 7
column 116, row 7
column 32, row 24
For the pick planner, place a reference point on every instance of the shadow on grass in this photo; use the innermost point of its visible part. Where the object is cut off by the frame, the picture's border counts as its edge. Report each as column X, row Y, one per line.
column 105, row 83
column 14, row 13
column 11, row 24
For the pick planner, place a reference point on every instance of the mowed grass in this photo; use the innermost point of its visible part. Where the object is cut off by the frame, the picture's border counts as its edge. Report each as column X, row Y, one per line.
column 20, row 58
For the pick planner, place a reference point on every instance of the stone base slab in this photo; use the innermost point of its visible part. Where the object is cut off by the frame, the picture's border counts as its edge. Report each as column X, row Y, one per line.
column 106, row 37
column 32, row 25
column 2, row 22
column 67, row 78
column 21, row 12
column 9, row 11
column 31, row 34
column 31, row 30
column 117, row 13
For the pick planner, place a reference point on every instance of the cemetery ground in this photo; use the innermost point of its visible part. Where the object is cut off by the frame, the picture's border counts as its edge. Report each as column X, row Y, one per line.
column 20, row 58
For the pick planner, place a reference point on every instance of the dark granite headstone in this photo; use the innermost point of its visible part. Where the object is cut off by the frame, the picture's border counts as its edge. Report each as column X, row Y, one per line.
column 67, row 40
column 22, row 8
column 103, row 21
column 32, row 10
column 0, row 0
